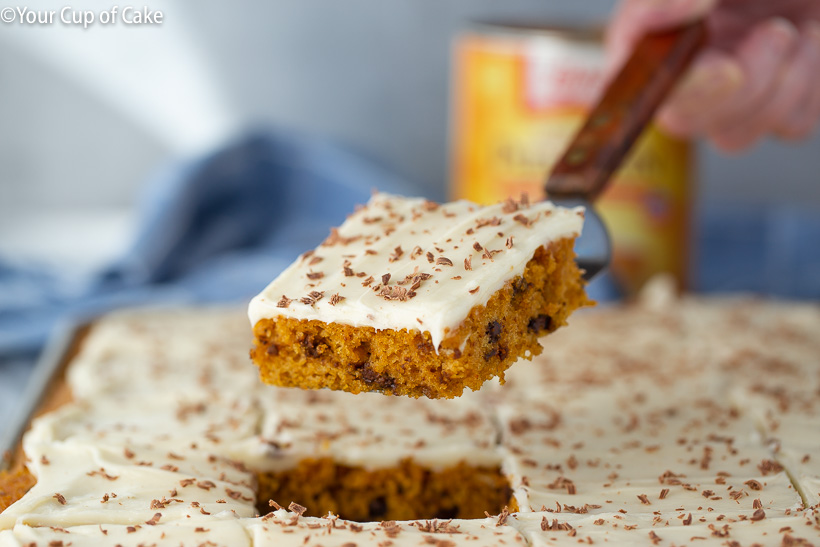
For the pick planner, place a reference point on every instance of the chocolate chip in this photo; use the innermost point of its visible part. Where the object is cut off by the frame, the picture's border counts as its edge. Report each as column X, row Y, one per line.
column 520, row 286
column 314, row 345
column 377, row 508
column 493, row 331
column 540, row 323
column 448, row 513
column 380, row 380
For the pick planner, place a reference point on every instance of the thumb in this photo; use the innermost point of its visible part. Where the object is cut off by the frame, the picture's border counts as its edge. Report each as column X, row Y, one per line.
column 634, row 18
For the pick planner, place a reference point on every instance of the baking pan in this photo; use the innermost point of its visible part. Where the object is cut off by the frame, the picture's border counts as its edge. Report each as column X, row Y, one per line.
column 45, row 390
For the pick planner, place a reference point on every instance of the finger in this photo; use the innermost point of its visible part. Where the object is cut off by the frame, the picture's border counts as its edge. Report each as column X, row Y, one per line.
column 791, row 92
column 713, row 78
column 803, row 116
column 634, row 18
column 761, row 55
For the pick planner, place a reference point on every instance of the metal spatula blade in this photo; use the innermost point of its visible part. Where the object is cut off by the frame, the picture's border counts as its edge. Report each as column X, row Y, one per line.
column 624, row 110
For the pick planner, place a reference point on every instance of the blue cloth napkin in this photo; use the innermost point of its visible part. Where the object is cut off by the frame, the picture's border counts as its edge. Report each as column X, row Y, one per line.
column 214, row 229
column 220, row 228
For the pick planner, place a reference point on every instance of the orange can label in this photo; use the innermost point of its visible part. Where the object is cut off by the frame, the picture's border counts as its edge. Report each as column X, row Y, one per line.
column 518, row 99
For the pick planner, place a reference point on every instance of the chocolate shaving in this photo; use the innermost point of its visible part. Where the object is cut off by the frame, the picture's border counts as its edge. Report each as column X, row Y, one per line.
column 563, row 482
column 154, row 520
column 759, row 514
column 60, row 498
column 510, row 206
column 644, row 499
column 509, row 243
column 753, row 484
column 284, row 302
column 502, row 518
column 477, row 246
column 769, row 466
column 430, row 257
column 488, row 254
column 315, row 275
column 368, row 281
column 473, row 291
column 443, row 261
column 101, row 472
column 296, row 508
column 397, row 252
column 312, row 298
column 335, row 299
column 468, row 263
column 395, row 292
column 523, row 220
column 555, row 525
column 386, row 279
column 315, row 260
column 335, row 239
column 482, row 222
column 206, row 485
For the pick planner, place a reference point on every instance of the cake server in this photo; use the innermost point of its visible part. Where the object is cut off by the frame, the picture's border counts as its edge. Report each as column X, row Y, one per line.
column 625, row 108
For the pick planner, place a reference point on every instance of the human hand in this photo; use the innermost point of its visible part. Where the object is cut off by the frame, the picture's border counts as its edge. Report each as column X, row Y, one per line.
column 759, row 74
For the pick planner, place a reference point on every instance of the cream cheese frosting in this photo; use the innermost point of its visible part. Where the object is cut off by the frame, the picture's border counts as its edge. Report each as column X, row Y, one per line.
column 407, row 263
column 376, row 431
column 686, row 418
column 286, row 529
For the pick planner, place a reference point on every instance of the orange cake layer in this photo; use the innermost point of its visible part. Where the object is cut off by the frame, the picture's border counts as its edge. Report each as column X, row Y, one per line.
column 313, row 354
column 13, row 485
column 403, row 492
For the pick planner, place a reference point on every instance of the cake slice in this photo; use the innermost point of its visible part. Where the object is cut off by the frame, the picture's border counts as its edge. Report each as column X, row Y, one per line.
column 409, row 297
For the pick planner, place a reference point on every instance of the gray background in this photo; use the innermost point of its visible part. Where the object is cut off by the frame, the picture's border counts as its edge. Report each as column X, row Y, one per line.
column 372, row 73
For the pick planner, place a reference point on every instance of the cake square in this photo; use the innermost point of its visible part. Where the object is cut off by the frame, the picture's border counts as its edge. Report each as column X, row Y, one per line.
column 409, row 297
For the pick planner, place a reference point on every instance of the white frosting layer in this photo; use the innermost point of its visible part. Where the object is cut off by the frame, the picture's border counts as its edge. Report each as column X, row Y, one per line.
column 219, row 530
column 374, row 431
column 285, row 529
column 556, row 530
column 423, row 248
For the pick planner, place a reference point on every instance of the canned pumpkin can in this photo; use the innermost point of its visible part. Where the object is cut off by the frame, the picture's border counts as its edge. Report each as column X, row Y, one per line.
column 519, row 95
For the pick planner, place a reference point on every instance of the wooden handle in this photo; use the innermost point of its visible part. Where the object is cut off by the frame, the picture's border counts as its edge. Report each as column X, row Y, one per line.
column 628, row 104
